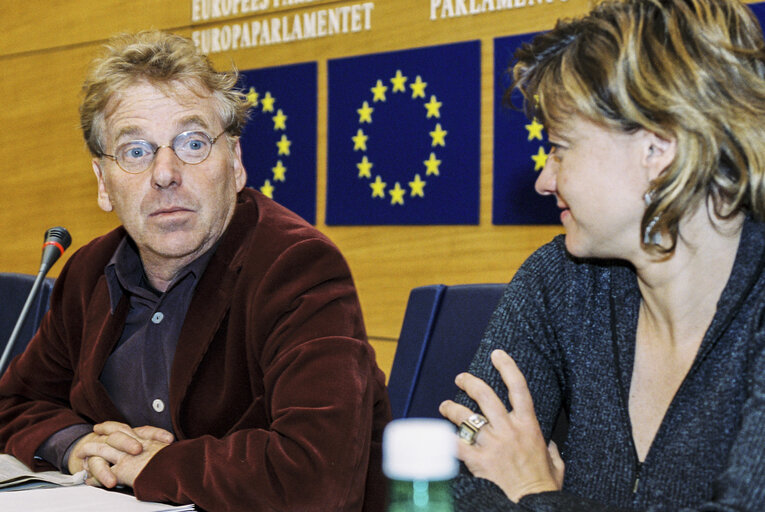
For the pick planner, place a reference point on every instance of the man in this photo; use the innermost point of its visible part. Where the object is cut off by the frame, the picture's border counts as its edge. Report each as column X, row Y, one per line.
column 211, row 349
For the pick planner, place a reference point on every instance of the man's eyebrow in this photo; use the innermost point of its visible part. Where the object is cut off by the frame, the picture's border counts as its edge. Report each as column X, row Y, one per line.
column 191, row 122
column 127, row 132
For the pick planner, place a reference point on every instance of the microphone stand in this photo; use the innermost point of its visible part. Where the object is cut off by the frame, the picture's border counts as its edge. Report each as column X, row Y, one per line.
column 22, row 317
column 57, row 240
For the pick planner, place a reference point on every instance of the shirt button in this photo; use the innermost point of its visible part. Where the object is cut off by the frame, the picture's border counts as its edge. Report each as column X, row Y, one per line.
column 157, row 318
column 158, row 405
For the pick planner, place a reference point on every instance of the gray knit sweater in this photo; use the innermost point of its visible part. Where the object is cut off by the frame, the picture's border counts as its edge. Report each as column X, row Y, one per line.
column 571, row 325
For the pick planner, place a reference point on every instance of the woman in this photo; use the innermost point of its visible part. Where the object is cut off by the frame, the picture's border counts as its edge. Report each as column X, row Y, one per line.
column 643, row 323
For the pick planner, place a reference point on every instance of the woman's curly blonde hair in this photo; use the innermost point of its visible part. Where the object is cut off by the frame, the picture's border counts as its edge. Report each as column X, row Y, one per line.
column 688, row 70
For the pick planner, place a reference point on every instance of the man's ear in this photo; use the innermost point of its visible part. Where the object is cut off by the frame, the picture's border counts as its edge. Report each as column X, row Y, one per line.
column 240, row 174
column 659, row 153
column 104, row 201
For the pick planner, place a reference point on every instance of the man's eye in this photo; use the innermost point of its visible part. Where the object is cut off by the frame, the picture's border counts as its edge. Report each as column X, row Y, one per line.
column 135, row 151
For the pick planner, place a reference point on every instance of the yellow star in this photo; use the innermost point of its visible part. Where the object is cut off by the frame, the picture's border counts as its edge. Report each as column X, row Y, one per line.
column 535, row 129
column 438, row 135
column 364, row 167
column 540, row 159
column 279, row 171
column 397, row 194
column 267, row 189
column 378, row 91
column 365, row 113
column 268, row 102
column 434, row 107
column 280, row 120
column 417, row 186
column 284, row 145
column 360, row 141
column 398, row 82
column 418, row 88
column 252, row 97
column 431, row 165
column 378, row 187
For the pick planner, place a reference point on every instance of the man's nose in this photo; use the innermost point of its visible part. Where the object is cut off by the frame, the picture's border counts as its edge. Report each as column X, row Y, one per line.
column 166, row 168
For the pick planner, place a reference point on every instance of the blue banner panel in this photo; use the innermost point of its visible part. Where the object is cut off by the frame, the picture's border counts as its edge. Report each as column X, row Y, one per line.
column 759, row 11
column 404, row 137
column 520, row 150
column 279, row 141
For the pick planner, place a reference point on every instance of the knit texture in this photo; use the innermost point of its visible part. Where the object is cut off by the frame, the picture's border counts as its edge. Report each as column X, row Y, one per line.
column 571, row 325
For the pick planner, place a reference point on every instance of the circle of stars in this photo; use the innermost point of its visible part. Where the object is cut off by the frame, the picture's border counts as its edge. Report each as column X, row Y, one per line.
column 438, row 138
column 279, row 171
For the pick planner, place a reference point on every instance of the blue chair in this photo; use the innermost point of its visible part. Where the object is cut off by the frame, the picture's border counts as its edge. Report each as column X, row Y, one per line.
column 14, row 289
column 442, row 328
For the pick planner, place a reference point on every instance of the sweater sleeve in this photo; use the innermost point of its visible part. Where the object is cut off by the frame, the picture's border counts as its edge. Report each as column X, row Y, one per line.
column 322, row 396
column 521, row 327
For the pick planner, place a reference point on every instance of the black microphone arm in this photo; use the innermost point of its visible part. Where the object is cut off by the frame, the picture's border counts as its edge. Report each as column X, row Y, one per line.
column 57, row 240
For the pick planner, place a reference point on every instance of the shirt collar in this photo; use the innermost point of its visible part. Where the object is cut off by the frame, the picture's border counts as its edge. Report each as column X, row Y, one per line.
column 125, row 274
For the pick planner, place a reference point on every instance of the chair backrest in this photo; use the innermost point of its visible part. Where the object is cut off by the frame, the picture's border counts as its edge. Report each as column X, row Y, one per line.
column 442, row 328
column 14, row 289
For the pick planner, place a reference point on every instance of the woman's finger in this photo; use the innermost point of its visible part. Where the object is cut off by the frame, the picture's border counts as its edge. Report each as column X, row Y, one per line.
column 557, row 464
column 454, row 412
column 488, row 401
column 517, row 388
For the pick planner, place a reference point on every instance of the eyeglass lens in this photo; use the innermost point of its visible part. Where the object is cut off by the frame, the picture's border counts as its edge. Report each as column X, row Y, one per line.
column 190, row 147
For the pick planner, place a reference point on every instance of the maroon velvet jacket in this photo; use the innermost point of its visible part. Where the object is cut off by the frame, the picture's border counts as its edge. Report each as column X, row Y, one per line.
column 276, row 400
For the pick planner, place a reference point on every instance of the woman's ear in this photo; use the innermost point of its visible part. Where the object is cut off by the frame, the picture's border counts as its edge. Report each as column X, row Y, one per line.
column 658, row 155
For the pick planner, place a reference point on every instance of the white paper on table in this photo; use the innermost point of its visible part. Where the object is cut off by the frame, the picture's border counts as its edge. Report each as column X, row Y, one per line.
column 79, row 498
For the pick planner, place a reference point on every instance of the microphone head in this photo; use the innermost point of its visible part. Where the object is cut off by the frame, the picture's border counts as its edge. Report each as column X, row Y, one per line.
column 60, row 236
column 57, row 240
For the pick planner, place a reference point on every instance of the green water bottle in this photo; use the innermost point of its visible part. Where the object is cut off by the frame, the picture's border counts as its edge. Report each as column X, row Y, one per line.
column 420, row 460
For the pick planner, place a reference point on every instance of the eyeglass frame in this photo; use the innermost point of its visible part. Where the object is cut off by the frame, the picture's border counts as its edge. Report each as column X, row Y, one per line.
column 156, row 149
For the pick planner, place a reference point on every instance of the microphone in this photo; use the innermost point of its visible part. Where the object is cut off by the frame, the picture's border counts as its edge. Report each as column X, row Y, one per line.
column 57, row 240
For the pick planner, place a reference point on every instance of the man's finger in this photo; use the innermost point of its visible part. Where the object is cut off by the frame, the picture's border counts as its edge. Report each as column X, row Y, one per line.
column 99, row 470
column 155, row 434
column 110, row 427
column 124, row 443
column 98, row 449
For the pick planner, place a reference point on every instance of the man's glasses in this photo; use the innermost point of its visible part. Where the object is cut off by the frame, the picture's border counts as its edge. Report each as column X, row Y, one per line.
column 136, row 156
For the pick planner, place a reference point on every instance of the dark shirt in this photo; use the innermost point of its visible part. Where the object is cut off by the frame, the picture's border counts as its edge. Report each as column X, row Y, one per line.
column 137, row 374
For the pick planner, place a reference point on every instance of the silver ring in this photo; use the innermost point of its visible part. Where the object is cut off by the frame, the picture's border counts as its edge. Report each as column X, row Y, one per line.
column 470, row 427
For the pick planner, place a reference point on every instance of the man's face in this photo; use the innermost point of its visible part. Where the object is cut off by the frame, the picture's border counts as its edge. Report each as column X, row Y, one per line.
column 173, row 211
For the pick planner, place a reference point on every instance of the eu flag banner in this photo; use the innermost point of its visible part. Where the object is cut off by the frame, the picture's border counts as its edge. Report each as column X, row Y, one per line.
column 759, row 11
column 520, row 150
column 404, row 137
column 279, row 141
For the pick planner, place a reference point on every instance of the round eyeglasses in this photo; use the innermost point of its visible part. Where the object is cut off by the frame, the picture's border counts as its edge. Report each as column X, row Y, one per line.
column 136, row 156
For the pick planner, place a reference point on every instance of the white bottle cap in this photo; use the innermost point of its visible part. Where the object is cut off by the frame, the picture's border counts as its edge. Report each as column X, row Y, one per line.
column 420, row 449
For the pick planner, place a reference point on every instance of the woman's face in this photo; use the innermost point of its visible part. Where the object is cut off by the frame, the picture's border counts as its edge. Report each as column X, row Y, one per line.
column 599, row 177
